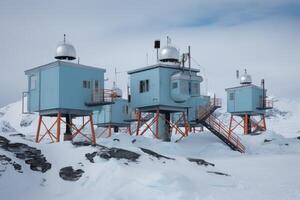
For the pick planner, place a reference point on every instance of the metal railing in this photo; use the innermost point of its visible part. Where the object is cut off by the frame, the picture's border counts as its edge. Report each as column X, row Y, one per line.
column 268, row 103
column 222, row 129
column 102, row 96
column 204, row 111
column 265, row 104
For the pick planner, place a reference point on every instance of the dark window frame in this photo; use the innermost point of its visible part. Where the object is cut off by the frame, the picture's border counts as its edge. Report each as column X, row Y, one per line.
column 144, row 86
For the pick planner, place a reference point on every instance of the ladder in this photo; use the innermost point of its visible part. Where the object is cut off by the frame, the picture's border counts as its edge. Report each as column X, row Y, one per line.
column 206, row 117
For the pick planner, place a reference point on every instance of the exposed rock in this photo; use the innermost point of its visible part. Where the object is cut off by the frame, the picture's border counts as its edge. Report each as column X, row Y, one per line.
column 200, row 162
column 17, row 134
column 69, row 174
column 5, row 127
column 218, row 173
column 90, row 156
column 17, row 167
column 81, row 143
column 133, row 141
column 108, row 153
column 116, row 139
column 152, row 153
column 266, row 140
column 27, row 120
column 4, row 160
column 31, row 155
column 119, row 154
column 3, row 141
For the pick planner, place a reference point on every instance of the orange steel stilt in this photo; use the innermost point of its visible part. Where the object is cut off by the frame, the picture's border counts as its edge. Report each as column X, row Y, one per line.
column 58, row 127
column 57, row 122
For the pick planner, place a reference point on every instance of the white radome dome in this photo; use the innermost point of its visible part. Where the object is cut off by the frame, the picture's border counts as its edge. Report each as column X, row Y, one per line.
column 65, row 51
column 169, row 54
column 245, row 78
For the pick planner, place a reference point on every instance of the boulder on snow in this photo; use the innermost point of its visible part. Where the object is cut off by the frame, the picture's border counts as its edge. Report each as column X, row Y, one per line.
column 31, row 155
column 218, row 173
column 4, row 160
column 5, row 127
column 119, row 154
column 69, row 174
column 108, row 153
column 27, row 120
column 156, row 155
column 200, row 162
column 266, row 141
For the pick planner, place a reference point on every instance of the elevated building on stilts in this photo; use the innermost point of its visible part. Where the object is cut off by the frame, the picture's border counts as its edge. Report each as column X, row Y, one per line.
column 247, row 104
column 66, row 90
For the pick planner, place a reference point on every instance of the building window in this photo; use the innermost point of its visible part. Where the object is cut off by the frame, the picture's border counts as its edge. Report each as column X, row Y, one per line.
column 195, row 89
column 86, row 84
column 96, row 84
column 33, row 81
column 125, row 109
column 144, row 86
column 174, row 85
column 231, row 96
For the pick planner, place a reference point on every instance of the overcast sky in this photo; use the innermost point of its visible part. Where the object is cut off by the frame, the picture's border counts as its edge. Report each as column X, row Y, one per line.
column 262, row 36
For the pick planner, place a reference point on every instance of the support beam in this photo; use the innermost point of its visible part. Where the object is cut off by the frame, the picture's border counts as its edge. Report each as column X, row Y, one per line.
column 58, row 127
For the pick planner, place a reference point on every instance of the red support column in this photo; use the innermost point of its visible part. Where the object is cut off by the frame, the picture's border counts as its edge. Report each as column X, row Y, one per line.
column 157, row 124
column 38, row 129
column 246, row 124
column 58, row 127
column 129, row 129
column 92, row 129
column 264, row 122
column 186, row 126
column 138, row 122
column 109, row 130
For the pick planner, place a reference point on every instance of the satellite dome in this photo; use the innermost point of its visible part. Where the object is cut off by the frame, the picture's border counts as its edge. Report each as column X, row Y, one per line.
column 245, row 78
column 169, row 54
column 65, row 51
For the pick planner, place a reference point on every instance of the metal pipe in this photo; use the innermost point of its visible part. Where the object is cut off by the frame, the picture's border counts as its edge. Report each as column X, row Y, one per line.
column 189, row 54
column 264, row 95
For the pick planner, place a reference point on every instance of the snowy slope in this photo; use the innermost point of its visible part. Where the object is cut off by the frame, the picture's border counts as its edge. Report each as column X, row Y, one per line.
column 268, row 170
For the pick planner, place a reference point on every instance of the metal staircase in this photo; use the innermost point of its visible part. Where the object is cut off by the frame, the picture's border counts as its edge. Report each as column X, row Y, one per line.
column 206, row 117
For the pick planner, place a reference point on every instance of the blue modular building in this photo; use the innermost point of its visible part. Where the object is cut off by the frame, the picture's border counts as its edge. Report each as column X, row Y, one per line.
column 166, row 87
column 64, row 87
column 195, row 104
column 113, row 115
column 246, row 98
column 248, row 101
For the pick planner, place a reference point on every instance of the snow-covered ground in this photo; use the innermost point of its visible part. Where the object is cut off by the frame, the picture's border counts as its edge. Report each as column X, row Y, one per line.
column 268, row 170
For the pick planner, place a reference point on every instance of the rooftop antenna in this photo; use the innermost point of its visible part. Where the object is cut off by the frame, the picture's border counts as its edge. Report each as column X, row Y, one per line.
column 189, row 57
column 168, row 41
column 114, row 83
column 237, row 74
column 146, row 58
